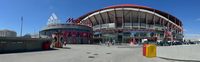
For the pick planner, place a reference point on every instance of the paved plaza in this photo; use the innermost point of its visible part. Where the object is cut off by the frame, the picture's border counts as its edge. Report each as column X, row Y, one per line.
column 82, row 53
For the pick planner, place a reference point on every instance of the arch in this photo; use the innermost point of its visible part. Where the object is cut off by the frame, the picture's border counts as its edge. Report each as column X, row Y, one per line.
column 169, row 18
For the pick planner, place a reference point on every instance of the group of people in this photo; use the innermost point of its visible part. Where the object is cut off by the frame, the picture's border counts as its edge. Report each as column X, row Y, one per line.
column 108, row 43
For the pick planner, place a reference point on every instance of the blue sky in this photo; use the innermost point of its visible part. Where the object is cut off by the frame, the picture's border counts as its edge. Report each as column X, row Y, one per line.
column 36, row 12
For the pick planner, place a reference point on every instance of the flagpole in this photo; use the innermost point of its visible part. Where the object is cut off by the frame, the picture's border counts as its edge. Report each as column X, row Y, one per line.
column 21, row 26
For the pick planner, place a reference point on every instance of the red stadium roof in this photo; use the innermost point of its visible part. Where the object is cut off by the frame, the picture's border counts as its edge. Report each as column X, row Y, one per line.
column 170, row 17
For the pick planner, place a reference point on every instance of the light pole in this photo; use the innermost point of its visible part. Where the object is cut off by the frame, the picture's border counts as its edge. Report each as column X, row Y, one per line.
column 21, row 26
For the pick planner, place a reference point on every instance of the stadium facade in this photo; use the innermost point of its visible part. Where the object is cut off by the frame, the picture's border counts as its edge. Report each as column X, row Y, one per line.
column 118, row 23
column 128, row 22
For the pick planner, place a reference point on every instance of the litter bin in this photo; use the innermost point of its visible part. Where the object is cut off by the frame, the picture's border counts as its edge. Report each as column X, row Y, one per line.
column 149, row 50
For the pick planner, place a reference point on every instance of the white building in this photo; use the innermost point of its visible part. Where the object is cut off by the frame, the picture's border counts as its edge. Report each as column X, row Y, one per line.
column 7, row 33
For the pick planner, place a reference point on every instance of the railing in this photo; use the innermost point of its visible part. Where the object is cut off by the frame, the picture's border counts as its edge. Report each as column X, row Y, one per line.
column 130, row 26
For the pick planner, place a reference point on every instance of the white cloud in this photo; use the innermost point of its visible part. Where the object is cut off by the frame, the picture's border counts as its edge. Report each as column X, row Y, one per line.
column 198, row 19
column 192, row 36
column 185, row 30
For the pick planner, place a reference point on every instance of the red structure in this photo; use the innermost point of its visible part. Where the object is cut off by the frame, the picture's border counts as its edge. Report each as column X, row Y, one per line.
column 68, row 33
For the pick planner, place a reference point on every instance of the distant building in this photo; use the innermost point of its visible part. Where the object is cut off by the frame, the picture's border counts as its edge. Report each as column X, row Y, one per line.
column 7, row 33
column 27, row 36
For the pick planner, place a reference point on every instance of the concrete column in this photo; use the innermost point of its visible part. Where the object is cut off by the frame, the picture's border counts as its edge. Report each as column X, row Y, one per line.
column 123, row 18
column 146, row 21
column 138, row 18
column 154, row 19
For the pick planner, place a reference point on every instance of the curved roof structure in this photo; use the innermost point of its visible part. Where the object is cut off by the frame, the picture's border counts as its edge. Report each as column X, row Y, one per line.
column 167, row 16
column 65, row 26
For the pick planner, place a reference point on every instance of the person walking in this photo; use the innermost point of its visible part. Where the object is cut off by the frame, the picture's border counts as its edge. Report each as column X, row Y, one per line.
column 108, row 43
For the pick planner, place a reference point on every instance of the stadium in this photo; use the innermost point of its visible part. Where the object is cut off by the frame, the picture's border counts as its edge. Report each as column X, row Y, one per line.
column 129, row 22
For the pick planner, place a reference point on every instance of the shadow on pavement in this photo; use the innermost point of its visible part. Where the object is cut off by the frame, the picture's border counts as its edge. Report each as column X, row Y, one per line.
column 65, row 48
column 28, row 51
column 179, row 59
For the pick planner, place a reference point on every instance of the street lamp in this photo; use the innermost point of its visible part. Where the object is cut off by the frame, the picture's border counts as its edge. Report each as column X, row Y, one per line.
column 21, row 26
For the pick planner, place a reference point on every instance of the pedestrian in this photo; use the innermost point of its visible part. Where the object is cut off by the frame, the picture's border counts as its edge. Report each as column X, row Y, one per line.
column 100, row 43
column 108, row 43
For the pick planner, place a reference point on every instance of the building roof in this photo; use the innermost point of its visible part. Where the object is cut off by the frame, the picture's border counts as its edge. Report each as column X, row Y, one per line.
column 64, row 26
column 7, row 30
column 170, row 17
